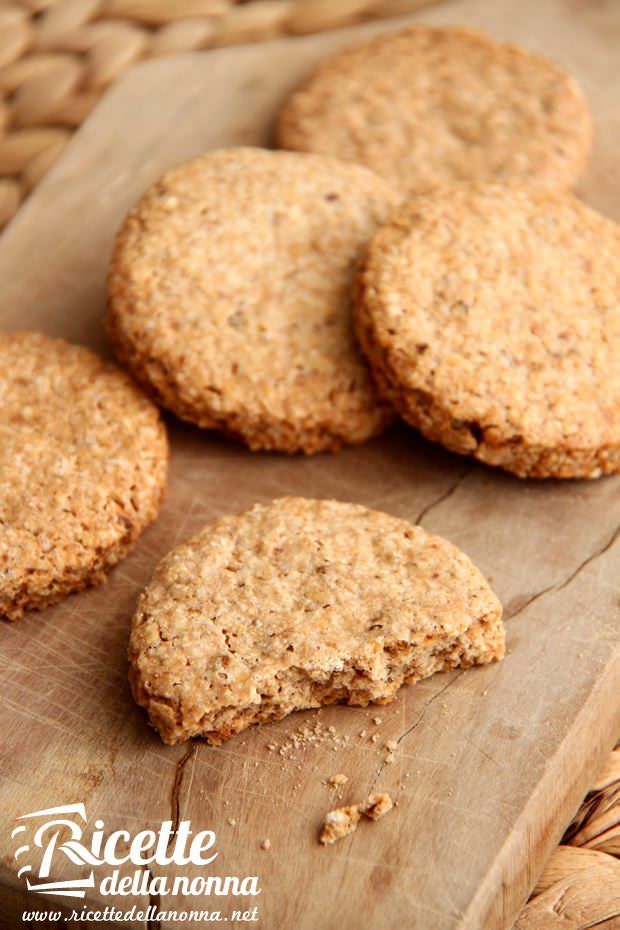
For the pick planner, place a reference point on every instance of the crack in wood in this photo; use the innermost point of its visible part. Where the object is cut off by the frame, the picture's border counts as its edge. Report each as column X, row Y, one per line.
column 381, row 766
column 175, row 803
column 413, row 726
column 562, row 585
column 154, row 901
column 175, row 816
column 444, row 495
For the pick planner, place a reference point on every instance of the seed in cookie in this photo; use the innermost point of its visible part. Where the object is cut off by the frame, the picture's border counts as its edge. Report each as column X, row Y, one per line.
column 230, row 297
column 83, row 460
column 491, row 319
column 299, row 603
column 431, row 105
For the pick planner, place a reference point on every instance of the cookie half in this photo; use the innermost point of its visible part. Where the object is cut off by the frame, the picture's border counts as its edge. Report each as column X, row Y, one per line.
column 230, row 297
column 83, row 460
column 432, row 105
column 298, row 603
column 491, row 318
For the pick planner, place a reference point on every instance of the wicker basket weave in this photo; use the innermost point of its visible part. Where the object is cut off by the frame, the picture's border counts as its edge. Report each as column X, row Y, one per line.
column 56, row 58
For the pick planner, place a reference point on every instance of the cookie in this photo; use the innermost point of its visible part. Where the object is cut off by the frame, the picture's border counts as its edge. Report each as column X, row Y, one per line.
column 431, row 105
column 230, row 297
column 298, row 603
column 491, row 318
column 83, row 459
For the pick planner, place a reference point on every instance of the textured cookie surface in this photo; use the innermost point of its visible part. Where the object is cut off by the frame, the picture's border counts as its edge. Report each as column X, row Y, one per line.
column 230, row 296
column 83, row 458
column 430, row 105
column 492, row 321
column 299, row 603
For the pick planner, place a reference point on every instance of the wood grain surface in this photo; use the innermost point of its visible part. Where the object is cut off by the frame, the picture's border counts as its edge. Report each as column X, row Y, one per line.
column 491, row 763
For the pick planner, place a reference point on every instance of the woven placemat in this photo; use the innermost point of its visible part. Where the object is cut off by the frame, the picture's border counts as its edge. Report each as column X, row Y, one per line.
column 580, row 887
column 56, row 58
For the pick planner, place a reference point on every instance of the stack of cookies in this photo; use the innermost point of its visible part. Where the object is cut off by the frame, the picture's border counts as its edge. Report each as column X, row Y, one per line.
column 415, row 253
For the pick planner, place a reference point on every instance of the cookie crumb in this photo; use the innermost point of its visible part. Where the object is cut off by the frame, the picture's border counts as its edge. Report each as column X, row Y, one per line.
column 377, row 721
column 377, row 805
column 265, row 844
column 339, row 823
column 391, row 745
column 309, row 736
column 231, row 822
column 338, row 779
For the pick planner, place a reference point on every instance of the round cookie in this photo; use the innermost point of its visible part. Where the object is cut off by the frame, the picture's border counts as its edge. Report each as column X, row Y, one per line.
column 491, row 319
column 83, row 460
column 431, row 105
column 230, row 296
column 298, row 603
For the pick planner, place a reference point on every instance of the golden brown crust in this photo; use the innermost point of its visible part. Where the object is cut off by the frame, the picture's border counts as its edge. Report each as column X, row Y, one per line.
column 83, row 460
column 491, row 319
column 299, row 603
column 430, row 105
column 229, row 297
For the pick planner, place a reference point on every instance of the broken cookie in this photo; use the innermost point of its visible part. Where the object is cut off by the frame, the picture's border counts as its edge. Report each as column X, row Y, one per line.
column 299, row 603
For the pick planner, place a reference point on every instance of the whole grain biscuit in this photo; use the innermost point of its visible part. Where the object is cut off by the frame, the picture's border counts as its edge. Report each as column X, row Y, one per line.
column 491, row 318
column 230, row 296
column 83, row 459
column 431, row 105
column 298, row 603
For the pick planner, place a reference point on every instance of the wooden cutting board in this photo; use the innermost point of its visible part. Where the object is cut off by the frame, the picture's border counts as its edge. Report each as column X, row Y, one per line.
column 490, row 763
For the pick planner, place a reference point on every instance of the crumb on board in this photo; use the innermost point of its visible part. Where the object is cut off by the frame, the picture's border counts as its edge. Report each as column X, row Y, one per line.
column 338, row 779
column 231, row 822
column 339, row 823
column 265, row 844
column 309, row 735
column 377, row 805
